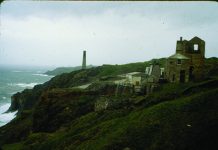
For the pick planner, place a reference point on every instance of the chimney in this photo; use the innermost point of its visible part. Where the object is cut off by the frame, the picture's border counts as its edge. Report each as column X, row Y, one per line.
column 181, row 38
column 84, row 60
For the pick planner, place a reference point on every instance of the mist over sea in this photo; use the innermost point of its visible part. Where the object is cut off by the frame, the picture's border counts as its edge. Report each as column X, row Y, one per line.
column 16, row 79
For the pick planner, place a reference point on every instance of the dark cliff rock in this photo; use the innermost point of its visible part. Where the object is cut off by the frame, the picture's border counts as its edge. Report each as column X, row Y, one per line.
column 26, row 99
column 60, row 106
column 16, row 102
column 56, row 108
column 110, row 88
column 18, row 129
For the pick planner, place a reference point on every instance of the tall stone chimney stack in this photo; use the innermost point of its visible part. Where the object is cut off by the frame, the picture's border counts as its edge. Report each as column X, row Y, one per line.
column 84, row 60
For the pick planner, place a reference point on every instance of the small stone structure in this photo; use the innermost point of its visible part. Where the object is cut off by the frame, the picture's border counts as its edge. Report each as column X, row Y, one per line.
column 143, row 82
column 102, row 104
column 153, row 74
column 135, row 79
column 177, row 68
column 187, row 64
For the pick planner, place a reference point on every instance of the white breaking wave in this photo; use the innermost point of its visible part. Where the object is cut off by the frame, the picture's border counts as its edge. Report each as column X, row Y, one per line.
column 43, row 75
column 21, row 71
column 4, row 108
column 6, row 117
column 17, row 71
column 4, row 97
column 40, row 74
column 23, row 85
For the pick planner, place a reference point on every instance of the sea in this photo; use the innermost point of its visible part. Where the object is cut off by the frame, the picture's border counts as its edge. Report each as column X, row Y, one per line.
column 16, row 79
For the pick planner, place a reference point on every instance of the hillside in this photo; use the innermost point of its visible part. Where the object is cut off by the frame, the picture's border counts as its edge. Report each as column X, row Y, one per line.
column 27, row 99
column 61, row 70
column 57, row 116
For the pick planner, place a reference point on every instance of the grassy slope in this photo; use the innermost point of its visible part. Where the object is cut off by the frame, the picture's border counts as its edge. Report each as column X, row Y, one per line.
column 163, row 126
column 187, row 122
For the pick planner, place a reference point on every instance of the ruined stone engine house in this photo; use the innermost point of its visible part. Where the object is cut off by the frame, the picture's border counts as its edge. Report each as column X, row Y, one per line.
column 187, row 64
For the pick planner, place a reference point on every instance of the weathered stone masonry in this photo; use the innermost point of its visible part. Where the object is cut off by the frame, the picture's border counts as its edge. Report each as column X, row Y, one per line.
column 188, row 62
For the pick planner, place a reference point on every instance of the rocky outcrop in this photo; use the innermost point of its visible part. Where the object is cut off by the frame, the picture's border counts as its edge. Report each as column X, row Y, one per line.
column 110, row 88
column 16, row 102
column 29, row 97
column 112, row 103
column 102, row 104
column 26, row 99
column 60, row 106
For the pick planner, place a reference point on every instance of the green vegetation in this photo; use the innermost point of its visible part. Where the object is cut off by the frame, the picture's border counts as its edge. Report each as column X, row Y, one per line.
column 174, row 117
column 15, row 146
column 61, row 70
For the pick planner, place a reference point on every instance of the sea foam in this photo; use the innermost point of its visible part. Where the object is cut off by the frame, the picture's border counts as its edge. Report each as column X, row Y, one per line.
column 24, row 85
column 40, row 74
column 6, row 117
column 16, row 71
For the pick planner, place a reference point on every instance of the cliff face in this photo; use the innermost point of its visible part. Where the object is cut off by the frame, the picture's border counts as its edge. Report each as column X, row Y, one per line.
column 59, row 106
column 19, row 101
column 62, row 105
column 27, row 99
column 56, row 108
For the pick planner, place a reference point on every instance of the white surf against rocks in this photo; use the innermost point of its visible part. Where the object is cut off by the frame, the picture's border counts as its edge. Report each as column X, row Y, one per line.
column 42, row 75
column 24, row 85
column 6, row 117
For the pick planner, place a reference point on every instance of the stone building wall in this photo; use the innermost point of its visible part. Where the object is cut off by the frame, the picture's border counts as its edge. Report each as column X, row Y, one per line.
column 194, row 69
column 173, row 70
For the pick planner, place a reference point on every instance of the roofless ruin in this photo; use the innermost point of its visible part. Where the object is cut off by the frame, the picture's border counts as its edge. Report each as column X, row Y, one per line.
column 187, row 63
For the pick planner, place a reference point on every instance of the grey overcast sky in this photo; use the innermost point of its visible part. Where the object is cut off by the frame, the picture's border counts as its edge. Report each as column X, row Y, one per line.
column 49, row 33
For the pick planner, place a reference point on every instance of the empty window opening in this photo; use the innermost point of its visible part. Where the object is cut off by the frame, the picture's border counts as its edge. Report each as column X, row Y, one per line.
column 196, row 47
column 191, row 76
column 137, row 83
column 182, row 76
column 179, row 61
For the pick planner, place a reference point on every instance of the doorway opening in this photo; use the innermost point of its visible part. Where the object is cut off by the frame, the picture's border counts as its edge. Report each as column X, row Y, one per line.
column 191, row 76
column 182, row 76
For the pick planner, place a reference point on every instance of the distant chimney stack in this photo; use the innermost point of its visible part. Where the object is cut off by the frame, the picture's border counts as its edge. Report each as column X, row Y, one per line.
column 181, row 38
column 84, row 60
